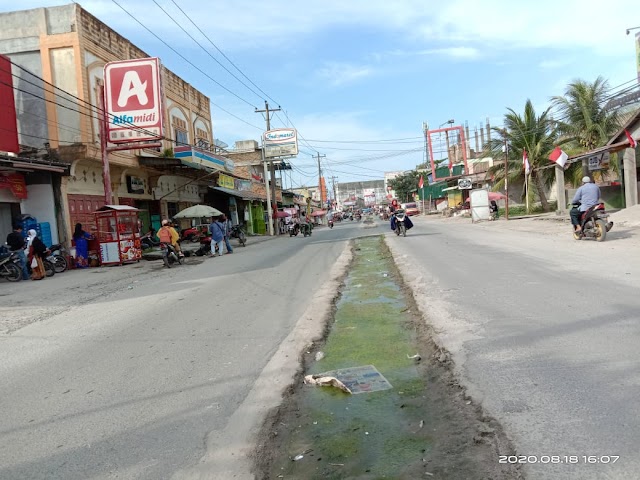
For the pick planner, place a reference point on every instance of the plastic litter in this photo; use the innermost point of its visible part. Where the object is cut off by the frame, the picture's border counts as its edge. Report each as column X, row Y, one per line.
column 319, row 356
column 415, row 357
column 326, row 382
column 298, row 457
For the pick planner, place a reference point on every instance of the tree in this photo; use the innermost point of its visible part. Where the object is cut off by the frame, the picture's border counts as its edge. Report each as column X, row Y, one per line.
column 404, row 185
column 536, row 135
column 585, row 119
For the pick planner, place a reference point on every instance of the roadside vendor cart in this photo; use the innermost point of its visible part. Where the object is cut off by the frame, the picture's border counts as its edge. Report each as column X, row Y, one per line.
column 118, row 234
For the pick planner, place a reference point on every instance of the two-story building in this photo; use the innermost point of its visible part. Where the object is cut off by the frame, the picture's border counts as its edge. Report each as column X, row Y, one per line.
column 58, row 56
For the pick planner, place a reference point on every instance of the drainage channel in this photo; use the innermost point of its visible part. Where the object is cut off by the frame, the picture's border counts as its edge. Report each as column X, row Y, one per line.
column 406, row 417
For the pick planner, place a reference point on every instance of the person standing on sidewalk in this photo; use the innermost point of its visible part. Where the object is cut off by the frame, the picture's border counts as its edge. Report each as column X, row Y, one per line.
column 15, row 240
column 228, row 225
column 37, row 251
column 216, row 229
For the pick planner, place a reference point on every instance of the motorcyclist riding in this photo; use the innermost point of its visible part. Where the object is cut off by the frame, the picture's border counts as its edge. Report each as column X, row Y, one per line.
column 587, row 196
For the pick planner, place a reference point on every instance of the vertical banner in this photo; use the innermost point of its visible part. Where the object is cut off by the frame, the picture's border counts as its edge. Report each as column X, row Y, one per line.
column 8, row 124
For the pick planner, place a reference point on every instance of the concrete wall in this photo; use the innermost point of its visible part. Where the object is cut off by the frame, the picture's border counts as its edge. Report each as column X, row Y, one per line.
column 40, row 203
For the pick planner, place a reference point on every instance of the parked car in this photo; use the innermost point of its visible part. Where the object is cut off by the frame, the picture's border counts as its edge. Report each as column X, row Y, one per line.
column 410, row 209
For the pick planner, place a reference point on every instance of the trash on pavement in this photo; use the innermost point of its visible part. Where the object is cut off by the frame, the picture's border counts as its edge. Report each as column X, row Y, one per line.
column 415, row 357
column 298, row 457
column 319, row 356
column 364, row 379
column 324, row 381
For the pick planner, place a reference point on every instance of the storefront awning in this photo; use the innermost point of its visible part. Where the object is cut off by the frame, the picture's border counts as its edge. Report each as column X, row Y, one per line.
column 450, row 188
column 163, row 162
column 243, row 194
column 23, row 164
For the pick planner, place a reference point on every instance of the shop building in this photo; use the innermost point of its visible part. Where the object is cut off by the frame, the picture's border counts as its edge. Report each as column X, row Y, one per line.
column 58, row 56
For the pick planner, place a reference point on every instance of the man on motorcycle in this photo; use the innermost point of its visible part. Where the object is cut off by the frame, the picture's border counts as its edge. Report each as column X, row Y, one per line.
column 168, row 235
column 587, row 196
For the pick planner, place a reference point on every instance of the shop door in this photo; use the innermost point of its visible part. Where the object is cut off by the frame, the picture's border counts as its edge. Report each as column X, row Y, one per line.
column 257, row 214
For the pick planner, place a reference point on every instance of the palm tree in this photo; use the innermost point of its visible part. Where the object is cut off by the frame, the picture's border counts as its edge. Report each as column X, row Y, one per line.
column 585, row 119
column 532, row 133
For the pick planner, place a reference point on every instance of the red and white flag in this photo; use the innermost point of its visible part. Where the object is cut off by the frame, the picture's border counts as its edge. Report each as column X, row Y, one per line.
column 525, row 163
column 421, row 182
column 559, row 157
column 632, row 142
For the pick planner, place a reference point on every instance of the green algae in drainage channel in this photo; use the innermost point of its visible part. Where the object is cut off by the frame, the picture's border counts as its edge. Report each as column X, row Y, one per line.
column 370, row 435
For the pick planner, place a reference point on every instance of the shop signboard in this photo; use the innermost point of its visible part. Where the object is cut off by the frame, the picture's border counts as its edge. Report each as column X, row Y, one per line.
column 598, row 162
column 15, row 183
column 225, row 181
column 243, row 185
column 199, row 158
column 281, row 142
column 133, row 100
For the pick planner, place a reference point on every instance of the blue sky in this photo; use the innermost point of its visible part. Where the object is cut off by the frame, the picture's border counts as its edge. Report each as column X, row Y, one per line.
column 373, row 70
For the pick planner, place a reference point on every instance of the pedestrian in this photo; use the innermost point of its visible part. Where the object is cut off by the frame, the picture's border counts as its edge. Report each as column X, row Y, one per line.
column 228, row 226
column 16, row 243
column 37, row 251
column 80, row 238
column 216, row 229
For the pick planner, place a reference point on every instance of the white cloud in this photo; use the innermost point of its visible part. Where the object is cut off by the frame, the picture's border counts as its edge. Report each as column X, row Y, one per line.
column 488, row 25
column 338, row 73
column 467, row 53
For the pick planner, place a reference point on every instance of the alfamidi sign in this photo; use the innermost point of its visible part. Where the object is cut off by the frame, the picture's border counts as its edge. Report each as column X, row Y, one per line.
column 281, row 142
column 133, row 100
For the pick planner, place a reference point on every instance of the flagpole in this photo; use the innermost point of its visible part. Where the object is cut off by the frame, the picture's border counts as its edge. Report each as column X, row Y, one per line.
column 526, row 190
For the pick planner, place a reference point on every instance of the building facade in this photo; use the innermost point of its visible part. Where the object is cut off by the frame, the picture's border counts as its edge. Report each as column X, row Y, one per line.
column 58, row 56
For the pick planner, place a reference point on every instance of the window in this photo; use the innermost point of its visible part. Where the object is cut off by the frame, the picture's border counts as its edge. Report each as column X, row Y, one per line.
column 172, row 209
column 182, row 138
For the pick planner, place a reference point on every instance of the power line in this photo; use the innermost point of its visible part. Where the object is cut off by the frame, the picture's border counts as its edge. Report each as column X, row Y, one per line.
column 205, row 50
column 222, row 53
column 182, row 56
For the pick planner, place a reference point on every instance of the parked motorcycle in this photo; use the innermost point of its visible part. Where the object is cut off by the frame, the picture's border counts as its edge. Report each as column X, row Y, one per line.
column 147, row 241
column 169, row 255
column 58, row 256
column 238, row 232
column 593, row 222
column 10, row 265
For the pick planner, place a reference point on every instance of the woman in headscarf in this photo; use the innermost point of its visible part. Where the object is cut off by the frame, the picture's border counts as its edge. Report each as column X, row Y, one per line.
column 80, row 238
column 37, row 251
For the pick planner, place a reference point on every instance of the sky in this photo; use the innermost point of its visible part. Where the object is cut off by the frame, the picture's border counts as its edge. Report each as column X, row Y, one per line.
column 358, row 78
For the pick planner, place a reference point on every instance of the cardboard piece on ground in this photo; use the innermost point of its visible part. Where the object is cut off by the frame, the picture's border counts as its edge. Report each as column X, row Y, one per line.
column 364, row 379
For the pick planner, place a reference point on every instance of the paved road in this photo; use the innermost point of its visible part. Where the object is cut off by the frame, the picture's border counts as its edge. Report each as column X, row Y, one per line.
column 167, row 378
column 545, row 332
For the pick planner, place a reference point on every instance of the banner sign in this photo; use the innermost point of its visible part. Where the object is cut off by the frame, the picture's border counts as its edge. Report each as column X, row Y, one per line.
column 8, row 124
column 226, row 181
column 133, row 100
column 15, row 183
column 281, row 142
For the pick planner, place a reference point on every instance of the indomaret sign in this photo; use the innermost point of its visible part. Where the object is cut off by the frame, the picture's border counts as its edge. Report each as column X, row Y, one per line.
column 133, row 99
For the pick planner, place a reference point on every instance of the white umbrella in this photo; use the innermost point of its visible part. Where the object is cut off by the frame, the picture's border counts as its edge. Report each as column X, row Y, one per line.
column 198, row 211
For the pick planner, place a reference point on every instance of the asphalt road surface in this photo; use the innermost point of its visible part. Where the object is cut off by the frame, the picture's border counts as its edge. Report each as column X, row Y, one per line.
column 545, row 332
column 167, row 375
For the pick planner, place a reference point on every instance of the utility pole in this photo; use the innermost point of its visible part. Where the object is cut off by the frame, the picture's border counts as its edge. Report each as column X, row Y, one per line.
column 506, row 175
column 270, row 208
column 319, row 157
column 335, row 195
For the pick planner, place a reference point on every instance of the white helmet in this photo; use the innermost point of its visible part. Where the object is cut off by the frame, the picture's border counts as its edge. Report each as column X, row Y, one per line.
column 586, row 179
